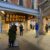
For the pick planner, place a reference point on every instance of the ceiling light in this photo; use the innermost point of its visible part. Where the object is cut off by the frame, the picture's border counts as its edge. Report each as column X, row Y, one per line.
column 3, row 12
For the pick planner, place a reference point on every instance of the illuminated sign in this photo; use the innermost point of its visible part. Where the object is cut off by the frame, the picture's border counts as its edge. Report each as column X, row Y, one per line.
column 14, row 18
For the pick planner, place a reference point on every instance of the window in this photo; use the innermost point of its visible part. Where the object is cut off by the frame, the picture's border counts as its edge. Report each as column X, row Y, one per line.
column 21, row 2
column 1, row 0
column 32, row 4
column 4, row 0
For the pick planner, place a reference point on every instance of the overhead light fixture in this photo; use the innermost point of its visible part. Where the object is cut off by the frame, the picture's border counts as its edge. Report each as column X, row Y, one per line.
column 3, row 12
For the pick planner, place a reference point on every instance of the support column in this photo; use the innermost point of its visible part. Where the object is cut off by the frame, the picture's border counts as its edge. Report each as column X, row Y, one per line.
column 26, row 26
column 40, row 21
column 26, row 22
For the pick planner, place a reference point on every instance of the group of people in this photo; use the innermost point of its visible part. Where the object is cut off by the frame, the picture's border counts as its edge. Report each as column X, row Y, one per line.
column 12, row 34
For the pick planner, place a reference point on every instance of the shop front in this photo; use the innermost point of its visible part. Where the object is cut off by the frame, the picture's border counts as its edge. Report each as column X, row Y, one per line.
column 18, row 18
column 17, row 14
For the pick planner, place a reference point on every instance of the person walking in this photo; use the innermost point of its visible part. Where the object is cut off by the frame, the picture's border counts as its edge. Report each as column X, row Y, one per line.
column 12, row 35
column 21, row 29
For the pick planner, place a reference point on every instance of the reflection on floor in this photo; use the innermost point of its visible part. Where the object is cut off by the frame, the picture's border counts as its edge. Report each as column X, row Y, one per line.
column 27, row 41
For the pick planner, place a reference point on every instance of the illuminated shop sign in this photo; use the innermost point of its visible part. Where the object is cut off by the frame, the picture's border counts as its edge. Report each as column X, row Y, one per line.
column 14, row 18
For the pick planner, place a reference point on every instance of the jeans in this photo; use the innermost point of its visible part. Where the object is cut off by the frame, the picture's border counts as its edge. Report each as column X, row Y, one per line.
column 37, row 33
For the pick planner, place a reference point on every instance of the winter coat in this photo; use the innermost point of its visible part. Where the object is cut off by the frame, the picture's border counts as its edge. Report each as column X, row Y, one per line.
column 12, row 34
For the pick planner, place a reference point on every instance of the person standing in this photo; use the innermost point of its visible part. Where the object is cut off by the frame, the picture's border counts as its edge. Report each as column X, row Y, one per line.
column 12, row 35
column 46, row 28
column 37, row 29
column 21, row 29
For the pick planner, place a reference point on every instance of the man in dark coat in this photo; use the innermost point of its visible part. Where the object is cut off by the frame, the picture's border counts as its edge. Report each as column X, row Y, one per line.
column 12, row 35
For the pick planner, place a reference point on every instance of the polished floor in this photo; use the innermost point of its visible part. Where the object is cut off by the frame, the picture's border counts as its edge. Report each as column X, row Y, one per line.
column 27, row 41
